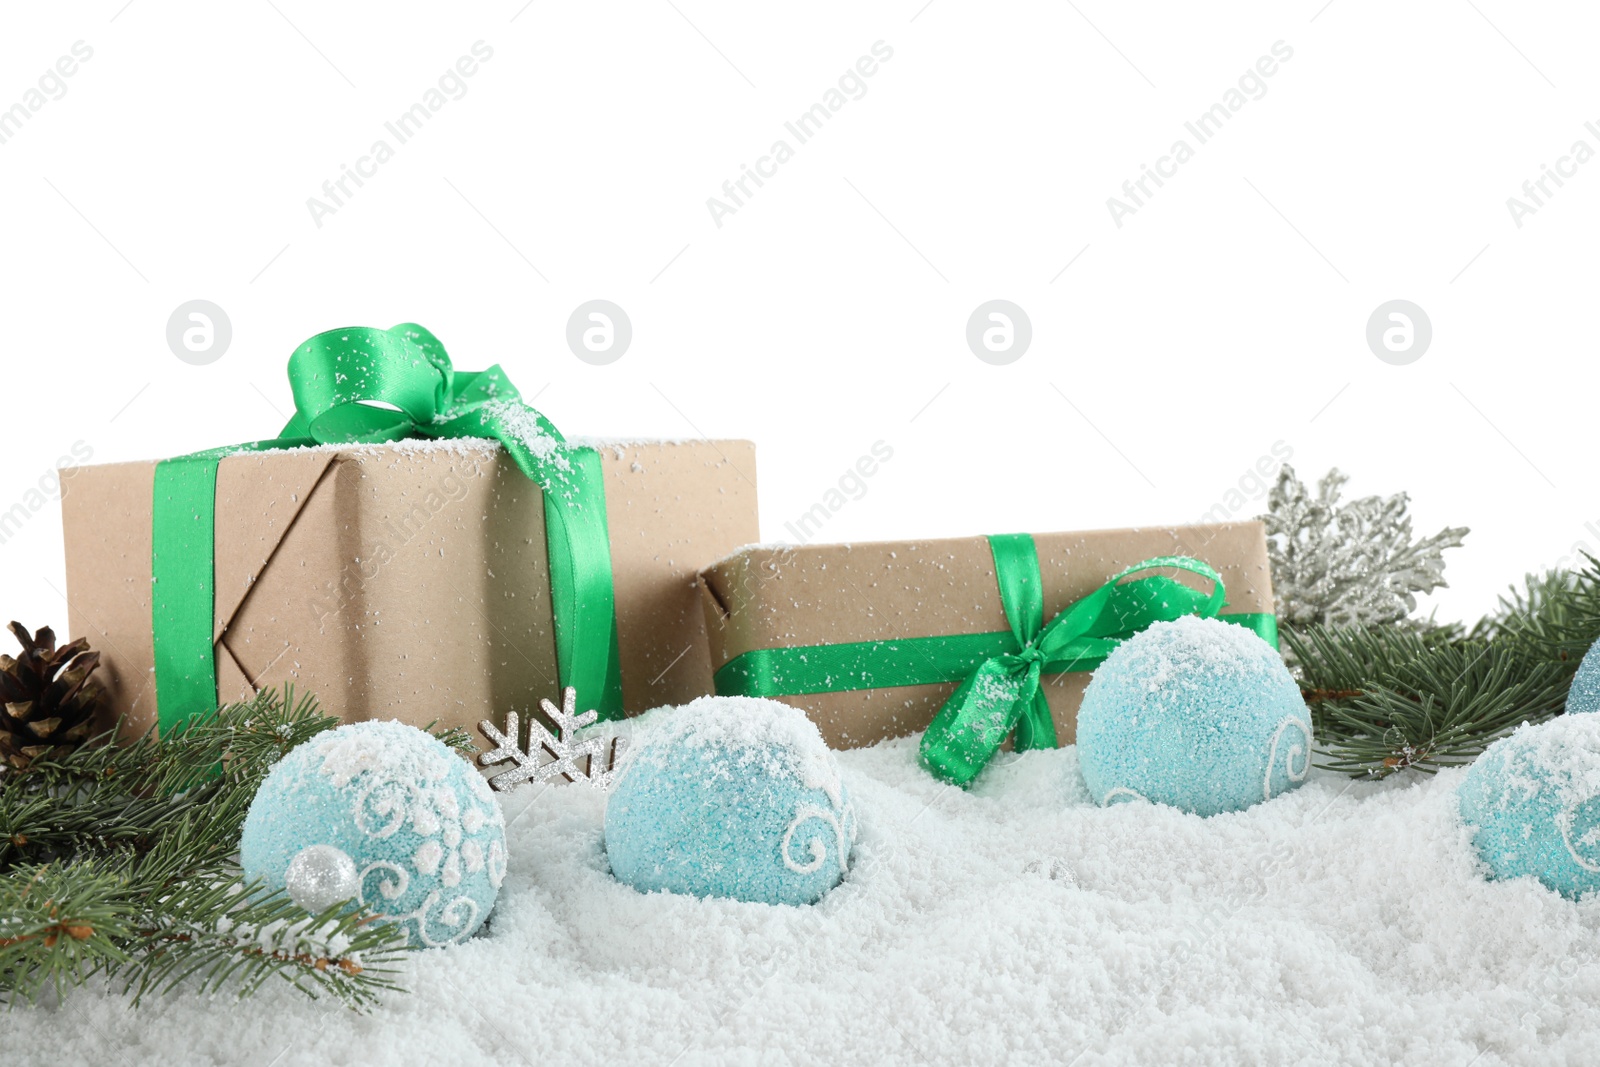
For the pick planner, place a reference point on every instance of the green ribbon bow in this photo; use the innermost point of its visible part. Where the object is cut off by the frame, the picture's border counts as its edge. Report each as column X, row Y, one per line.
column 1004, row 693
column 1000, row 672
column 364, row 385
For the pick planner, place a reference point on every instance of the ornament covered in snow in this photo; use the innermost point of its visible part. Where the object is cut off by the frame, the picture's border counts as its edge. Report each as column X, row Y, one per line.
column 1533, row 799
column 1584, row 696
column 730, row 797
column 385, row 815
column 1195, row 713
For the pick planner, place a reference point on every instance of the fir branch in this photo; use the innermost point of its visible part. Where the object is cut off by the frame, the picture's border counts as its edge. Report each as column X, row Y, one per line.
column 455, row 738
column 1554, row 616
column 1386, row 698
column 234, row 934
column 59, row 926
column 120, row 859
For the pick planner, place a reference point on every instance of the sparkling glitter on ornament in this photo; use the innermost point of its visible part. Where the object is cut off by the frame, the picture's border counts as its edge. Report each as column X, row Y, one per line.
column 1196, row 713
column 1584, row 697
column 1533, row 802
column 421, row 826
column 730, row 797
column 321, row 876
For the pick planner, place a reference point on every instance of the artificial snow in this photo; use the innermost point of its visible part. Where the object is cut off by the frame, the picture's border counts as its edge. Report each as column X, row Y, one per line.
column 474, row 447
column 538, row 441
column 1346, row 922
column 1560, row 757
column 775, row 738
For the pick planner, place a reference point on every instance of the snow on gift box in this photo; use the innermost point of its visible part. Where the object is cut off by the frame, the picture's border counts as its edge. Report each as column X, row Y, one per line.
column 1533, row 799
column 422, row 836
column 730, row 797
column 1195, row 713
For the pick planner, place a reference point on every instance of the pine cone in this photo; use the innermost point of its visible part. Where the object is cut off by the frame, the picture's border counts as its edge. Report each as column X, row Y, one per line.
column 47, row 702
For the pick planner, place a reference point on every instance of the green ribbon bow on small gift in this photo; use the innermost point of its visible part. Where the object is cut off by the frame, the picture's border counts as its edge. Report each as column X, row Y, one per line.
column 364, row 385
column 1000, row 673
column 1004, row 692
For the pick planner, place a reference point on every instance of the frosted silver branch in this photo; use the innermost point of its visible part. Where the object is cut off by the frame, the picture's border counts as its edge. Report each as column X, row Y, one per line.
column 1351, row 563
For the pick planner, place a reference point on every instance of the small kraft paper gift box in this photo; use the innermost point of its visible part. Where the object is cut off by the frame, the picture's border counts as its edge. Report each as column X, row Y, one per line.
column 969, row 639
column 444, row 557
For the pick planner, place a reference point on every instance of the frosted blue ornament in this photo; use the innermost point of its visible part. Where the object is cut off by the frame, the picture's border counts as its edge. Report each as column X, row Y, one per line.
column 1195, row 713
column 1533, row 800
column 730, row 797
column 1584, row 696
column 420, row 826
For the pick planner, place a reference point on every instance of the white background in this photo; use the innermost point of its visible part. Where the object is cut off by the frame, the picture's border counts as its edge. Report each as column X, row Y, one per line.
column 829, row 312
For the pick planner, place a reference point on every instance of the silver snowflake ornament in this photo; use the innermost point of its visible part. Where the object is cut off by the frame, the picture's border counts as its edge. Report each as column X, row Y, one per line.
column 531, row 765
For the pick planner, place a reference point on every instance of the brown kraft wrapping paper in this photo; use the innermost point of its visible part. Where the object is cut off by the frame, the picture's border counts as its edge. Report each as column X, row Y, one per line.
column 786, row 596
column 409, row 580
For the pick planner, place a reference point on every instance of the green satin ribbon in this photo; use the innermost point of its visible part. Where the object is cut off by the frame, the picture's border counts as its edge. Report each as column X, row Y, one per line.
column 1003, row 693
column 183, row 581
column 999, row 672
column 364, row 385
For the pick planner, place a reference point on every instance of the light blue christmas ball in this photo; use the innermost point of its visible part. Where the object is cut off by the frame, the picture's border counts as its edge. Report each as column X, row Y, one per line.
column 730, row 797
column 1533, row 799
column 1584, row 696
column 1195, row 713
column 420, row 826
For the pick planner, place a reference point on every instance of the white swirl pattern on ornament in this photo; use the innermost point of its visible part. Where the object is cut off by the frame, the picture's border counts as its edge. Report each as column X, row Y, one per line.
column 459, row 917
column 383, row 806
column 1589, row 839
column 389, row 888
column 380, row 808
column 1301, row 751
column 1120, row 795
column 818, row 771
column 843, row 823
column 496, row 863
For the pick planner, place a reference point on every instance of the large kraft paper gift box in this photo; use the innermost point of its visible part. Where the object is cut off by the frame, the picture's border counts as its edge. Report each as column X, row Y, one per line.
column 408, row 579
column 811, row 599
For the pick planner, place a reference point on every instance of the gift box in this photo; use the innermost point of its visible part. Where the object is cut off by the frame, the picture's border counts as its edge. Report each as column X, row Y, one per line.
column 872, row 640
column 441, row 568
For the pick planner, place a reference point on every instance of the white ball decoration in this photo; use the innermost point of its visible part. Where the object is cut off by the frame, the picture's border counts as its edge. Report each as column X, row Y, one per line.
column 321, row 876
